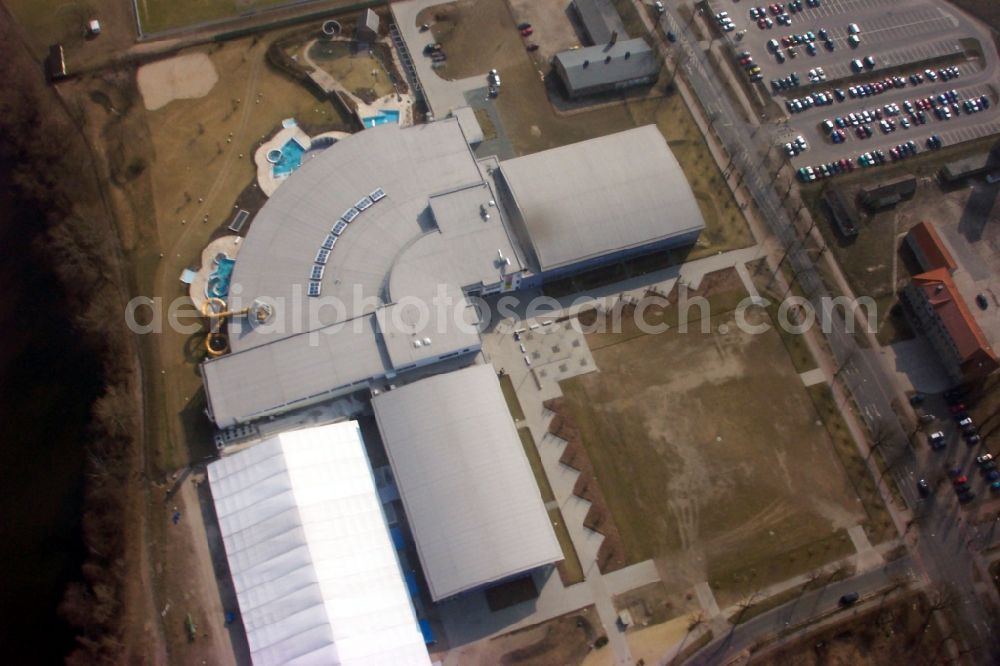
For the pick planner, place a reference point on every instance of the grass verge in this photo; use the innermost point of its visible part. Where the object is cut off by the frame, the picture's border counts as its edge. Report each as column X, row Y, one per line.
column 513, row 404
column 879, row 526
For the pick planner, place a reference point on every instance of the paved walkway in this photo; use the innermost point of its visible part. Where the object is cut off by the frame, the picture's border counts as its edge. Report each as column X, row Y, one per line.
column 442, row 96
column 707, row 599
column 813, row 377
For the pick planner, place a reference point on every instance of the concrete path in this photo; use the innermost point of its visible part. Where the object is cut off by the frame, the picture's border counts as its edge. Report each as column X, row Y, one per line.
column 629, row 578
column 813, row 377
column 707, row 599
column 867, row 558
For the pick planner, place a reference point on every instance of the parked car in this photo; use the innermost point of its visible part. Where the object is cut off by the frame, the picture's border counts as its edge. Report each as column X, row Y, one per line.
column 964, row 422
column 992, row 475
column 982, row 302
column 849, row 599
column 917, row 399
column 923, row 488
column 966, row 497
column 527, row 32
column 983, row 459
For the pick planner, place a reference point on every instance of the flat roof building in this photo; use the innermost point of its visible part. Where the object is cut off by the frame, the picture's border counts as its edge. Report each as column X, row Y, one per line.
column 310, row 554
column 469, row 494
column 392, row 224
column 600, row 197
column 607, row 67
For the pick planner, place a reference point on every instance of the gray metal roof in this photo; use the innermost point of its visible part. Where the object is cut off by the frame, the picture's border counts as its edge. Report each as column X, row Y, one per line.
column 470, row 125
column 599, row 19
column 600, row 196
column 467, row 487
column 602, row 65
column 293, row 371
column 276, row 256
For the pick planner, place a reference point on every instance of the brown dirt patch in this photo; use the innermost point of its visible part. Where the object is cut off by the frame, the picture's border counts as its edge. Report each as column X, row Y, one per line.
column 186, row 76
column 709, row 451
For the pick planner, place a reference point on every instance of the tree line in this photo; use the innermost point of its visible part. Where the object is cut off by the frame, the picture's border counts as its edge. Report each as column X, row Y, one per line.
column 52, row 173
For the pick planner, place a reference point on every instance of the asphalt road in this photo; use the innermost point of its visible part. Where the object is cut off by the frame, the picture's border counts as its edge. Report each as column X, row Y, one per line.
column 941, row 553
column 801, row 611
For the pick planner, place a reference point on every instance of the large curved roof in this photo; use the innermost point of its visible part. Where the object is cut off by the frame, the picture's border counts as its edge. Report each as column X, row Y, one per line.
column 281, row 247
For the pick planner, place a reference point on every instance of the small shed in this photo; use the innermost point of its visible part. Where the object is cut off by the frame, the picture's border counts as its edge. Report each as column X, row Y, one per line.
column 93, row 28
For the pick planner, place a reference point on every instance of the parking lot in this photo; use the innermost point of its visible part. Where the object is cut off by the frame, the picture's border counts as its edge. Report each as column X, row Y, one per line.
column 894, row 38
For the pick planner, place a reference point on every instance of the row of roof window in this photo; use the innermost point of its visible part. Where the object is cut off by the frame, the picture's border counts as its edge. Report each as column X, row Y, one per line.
column 323, row 255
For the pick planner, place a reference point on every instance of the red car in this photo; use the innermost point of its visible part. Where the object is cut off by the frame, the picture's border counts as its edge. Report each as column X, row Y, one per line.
column 527, row 32
column 956, row 408
column 776, row 9
column 960, row 480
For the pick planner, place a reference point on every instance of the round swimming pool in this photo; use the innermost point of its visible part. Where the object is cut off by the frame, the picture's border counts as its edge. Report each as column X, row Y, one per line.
column 274, row 155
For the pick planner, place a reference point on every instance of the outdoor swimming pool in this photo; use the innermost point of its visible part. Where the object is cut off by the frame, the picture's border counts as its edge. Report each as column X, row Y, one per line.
column 287, row 160
column 218, row 280
column 384, row 116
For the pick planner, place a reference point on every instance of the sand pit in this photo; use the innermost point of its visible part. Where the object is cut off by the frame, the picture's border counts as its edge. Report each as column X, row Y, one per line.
column 183, row 77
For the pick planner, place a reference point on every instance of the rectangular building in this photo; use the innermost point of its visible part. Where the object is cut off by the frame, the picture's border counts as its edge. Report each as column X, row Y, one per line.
column 469, row 494
column 607, row 67
column 600, row 20
column 599, row 201
column 941, row 314
column 310, row 555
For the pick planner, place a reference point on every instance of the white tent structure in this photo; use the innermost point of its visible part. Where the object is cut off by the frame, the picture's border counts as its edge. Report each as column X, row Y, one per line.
column 312, row 562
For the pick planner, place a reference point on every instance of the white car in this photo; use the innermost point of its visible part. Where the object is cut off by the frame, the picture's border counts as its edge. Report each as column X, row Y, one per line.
column 853, row 28
column 659, row 7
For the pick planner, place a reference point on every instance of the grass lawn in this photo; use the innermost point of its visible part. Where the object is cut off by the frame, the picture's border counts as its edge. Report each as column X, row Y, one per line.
column 513, row 404
column 157, row 15
column 570, row 569
column 710, row 453
column 353, row 71
column 878, row 524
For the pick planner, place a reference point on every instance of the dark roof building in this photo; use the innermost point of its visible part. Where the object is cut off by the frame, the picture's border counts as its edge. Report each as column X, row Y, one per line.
column 938, row 310
column 976, row 165
column 889, row 194
column 368, row 26
column 598, row 69
column 842, row 214
column 600, row 20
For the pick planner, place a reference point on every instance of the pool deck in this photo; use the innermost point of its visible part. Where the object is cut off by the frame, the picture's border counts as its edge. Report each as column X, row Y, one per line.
column 265, row 174
column 228, row 245
column 391, row 102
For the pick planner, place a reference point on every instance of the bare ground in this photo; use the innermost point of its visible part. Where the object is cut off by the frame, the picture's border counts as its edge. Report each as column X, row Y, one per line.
column 711, row 455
